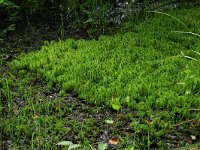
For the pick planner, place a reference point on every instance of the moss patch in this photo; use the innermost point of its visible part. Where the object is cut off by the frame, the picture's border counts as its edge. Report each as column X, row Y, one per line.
column 145, row 66
column 151, row 70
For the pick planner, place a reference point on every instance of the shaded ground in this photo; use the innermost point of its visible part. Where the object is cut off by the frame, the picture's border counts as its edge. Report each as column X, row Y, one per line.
column 80, row 110
column 31, row 38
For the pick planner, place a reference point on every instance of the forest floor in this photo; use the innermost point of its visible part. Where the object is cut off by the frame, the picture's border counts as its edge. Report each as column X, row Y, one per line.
column 33, row 103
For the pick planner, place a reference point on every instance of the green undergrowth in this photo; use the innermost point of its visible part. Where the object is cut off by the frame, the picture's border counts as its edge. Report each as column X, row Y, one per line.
column 151, row 70
column 133, row 68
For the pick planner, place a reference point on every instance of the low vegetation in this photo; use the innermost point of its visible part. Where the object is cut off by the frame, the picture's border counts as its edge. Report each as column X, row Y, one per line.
column 150, row 70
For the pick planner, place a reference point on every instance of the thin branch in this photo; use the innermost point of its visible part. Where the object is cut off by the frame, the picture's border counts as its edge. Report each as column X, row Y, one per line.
column 176, row 125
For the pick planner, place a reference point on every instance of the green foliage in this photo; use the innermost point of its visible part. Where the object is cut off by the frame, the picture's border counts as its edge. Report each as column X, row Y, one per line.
column 147, row 67
column 9, row 16
column 102, row 146
column 93, row 17
column 65, row 143
column 70, row 144
column 149, row 70
column 86, row 15
column 1, row 87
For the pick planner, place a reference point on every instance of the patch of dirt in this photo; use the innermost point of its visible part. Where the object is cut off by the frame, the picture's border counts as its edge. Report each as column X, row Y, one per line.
column 31, row 38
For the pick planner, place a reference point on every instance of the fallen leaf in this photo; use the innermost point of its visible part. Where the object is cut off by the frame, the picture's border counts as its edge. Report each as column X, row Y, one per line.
column 113, row 141
column 35, row 117
column 198, row 121
column 150, row 122
column 193, row 137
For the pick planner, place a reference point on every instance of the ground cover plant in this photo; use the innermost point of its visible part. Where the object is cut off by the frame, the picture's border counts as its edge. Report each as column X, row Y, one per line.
column 151, row 70
column 127, row 68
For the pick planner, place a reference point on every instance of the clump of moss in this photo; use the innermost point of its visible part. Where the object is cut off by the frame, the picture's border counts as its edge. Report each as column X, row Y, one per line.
column 145, row 70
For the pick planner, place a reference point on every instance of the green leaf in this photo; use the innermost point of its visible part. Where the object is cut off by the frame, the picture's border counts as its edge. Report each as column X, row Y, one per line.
column 127, row 99
column 116, row 106
column 11, row 27
column 109, row 121
column 65, row 143
column 74, row 146
column 102, row 146
column 1, row 1
column 89, row 20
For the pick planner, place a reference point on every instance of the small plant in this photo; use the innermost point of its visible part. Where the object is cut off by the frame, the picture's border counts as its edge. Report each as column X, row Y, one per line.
column 102, row 146
column 70, row 144
column 116, row 104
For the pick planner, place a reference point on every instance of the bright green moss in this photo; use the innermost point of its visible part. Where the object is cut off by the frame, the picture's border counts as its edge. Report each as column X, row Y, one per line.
column 147, row 67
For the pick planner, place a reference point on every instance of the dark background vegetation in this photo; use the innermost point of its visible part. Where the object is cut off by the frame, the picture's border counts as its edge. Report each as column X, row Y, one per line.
column 26, row 24
column 91, row 17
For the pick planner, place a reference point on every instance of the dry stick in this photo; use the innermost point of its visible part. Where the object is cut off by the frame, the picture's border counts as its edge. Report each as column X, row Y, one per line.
column 182, row 123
